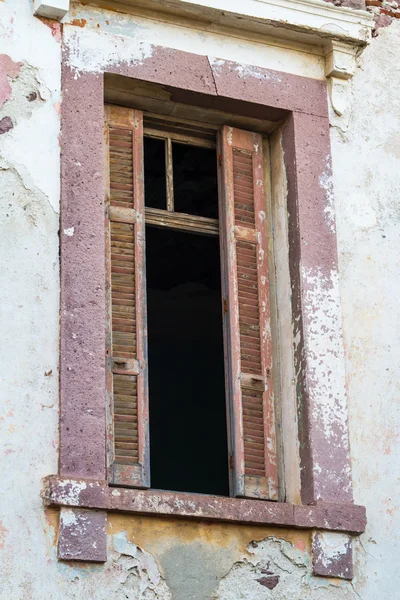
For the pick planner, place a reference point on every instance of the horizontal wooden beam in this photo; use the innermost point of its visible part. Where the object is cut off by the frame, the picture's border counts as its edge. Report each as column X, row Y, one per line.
column 181, row 138
column 182, row 221
column 97, row 495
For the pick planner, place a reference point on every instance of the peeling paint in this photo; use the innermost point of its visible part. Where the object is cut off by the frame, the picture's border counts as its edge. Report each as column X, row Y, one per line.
column 326, row 182
column 205, row 39
column 6, row 124
column 73, row 490
column 274, row 568
column 160, row 558
column 84, row 55
column 8, row 70
column 322, row 311
column 332, row 555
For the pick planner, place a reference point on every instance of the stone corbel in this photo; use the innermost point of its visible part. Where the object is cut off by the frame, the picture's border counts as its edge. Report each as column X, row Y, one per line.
column 340, row 64
column 51, row 9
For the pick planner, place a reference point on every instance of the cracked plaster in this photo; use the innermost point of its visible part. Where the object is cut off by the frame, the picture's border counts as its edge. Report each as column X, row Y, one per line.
column 269, row 568
column 366, row 167
column 275, row 568
column 366, row 193
column 139, row 33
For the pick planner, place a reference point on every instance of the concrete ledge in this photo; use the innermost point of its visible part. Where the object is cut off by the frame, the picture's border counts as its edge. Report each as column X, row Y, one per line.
column 91, row 494
column 305, row 20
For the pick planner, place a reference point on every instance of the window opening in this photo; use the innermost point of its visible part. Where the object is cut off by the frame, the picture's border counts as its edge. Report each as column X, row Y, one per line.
column 190, row 164
column 154, row 172
column 188, row 432
column 184, row 286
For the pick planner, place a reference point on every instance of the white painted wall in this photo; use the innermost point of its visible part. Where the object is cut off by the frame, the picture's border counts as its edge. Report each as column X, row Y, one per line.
column 366, row 164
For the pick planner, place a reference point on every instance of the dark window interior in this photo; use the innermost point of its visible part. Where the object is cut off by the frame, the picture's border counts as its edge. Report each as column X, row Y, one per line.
column 188, row 435
column 154, row 173
column 195, row 180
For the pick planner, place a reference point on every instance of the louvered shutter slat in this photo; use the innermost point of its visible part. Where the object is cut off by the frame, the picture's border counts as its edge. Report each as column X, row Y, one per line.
column 126, row 319
column 247, row 316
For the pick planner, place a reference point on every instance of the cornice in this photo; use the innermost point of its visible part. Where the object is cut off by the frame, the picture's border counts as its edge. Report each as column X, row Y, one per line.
column 308, row 17
column 337, row 32
column 308, row 20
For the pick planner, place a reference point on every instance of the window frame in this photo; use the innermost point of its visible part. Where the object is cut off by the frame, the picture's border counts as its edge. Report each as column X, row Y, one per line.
column 299, row 104
column 205, row 138
column 249, row 380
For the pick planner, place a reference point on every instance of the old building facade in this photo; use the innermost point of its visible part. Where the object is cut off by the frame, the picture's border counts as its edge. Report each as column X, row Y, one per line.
column 309, row 91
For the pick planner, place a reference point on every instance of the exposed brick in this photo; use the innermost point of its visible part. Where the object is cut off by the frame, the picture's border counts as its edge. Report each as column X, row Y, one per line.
column 355, row 4
column 382, row 21
column 384, row 13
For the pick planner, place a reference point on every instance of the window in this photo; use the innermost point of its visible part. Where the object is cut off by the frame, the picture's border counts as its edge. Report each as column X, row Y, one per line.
column 188, row 329
column 296, row 112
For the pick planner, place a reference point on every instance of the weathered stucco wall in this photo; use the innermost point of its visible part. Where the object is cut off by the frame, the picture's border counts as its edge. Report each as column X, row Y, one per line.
column 366, row 166
column 159, row 558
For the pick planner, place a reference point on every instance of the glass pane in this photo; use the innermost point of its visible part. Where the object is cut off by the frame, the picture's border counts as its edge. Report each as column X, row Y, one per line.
column 155, row 195
column 195, row 180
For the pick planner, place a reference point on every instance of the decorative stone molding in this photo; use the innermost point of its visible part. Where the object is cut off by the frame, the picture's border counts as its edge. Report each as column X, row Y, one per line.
column 340, row 60
column 51, row 9
column 341, row 31
column 340, row 65
column 303, row 20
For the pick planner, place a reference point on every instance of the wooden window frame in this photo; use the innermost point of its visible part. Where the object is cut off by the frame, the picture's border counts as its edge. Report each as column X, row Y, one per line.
column 299, row 106
column 185, row 132
column 242, row 229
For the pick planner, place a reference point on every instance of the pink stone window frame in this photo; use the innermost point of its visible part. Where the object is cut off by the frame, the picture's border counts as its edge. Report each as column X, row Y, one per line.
column 226, row 86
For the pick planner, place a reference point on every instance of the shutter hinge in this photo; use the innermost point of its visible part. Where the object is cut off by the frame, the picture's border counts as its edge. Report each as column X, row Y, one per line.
column 225, row 305
column 231, row 462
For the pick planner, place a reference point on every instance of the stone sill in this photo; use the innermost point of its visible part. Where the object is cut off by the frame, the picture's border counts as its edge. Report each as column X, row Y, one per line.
column 92, row 494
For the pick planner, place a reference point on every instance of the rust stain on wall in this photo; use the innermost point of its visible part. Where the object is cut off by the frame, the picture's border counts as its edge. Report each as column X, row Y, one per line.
column 158, row 535
column 195, row 557
column 79, row 22
column 55, row 26
column 3, row 535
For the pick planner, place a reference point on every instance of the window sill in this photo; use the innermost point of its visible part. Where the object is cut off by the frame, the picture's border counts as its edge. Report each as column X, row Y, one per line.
column 92, row 494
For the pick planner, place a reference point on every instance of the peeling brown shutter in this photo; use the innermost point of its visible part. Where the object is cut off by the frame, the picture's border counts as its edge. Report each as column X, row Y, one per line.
column 247, row 315
column 126, row 349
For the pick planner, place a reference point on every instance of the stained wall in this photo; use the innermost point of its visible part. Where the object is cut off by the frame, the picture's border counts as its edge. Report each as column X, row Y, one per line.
column 160, row 558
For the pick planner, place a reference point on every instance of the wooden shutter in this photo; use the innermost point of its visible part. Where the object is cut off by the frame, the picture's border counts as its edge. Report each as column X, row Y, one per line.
column 247, row 315
column 126, row 346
